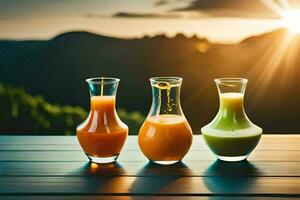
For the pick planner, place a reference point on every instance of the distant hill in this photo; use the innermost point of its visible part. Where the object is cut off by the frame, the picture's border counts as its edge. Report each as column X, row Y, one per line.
column 57, row 69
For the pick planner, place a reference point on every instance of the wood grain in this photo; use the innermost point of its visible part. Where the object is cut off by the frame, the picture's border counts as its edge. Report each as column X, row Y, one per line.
column 188, row 169
column 285, row 142
column 98, row 197
column 171, row 185
column 137, row 156
column 54, row 167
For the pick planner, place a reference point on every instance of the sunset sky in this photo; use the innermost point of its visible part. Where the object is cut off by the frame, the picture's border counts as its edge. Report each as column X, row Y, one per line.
column 217, row 20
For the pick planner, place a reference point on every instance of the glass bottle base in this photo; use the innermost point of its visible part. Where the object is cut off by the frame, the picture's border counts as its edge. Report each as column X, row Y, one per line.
column 168, row 162
column 102, row 160
column 231, row 158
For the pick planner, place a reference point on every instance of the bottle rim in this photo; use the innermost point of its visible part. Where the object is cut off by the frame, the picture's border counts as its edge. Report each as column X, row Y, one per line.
column 227, row 81
column 102, row 80
column 172, row 80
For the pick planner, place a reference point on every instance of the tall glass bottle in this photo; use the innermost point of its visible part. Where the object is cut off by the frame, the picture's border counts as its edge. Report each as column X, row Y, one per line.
column 231, row 136
column 165, row 137
column 102, row 135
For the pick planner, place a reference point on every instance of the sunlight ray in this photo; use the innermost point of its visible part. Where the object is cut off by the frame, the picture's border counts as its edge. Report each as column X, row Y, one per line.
column 281, row 52
column 271, row 62
column 284, row 4
column 275, row 7
column 290, row 61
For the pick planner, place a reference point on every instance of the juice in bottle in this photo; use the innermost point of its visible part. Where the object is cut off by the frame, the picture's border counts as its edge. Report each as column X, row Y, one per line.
column 103, row 134
column 165, row 137
column 231, row 136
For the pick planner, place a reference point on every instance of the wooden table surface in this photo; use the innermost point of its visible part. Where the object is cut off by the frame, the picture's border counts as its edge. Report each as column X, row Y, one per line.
column 54, row 167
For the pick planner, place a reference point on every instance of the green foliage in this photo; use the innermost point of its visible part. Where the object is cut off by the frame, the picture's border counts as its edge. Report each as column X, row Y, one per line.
column 21, row 113
column 134, row 120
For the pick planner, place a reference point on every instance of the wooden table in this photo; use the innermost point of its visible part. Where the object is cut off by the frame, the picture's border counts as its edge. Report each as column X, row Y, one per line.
column 54, row 167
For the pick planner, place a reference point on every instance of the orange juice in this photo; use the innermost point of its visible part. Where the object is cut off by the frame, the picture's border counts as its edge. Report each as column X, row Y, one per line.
column 166, row 137
column 102, row 134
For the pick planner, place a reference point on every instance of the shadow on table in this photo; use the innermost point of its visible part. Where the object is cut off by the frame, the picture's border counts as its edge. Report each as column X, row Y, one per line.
column 153, row 169
column 230, row 178
column 161, row 177
column 110, row 169
column 99, row 178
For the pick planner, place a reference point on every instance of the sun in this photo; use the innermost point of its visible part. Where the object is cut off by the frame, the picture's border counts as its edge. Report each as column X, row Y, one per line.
column 291, row 20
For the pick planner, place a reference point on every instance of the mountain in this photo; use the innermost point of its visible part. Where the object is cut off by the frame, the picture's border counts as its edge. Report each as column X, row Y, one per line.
column 58, row 67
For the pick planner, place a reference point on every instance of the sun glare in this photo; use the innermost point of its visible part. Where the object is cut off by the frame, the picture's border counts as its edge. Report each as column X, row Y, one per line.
column 291, row 20
column 283, row 50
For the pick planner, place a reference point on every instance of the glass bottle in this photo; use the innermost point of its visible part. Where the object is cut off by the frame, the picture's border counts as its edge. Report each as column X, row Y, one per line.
column 165, row 137
column 102, row 135
column 231, row 136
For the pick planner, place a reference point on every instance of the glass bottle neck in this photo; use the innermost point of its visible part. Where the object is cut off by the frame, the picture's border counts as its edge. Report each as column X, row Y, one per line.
column 233, row 102
column 166, row 99
column 102, row 117
column 103, row 94
column 231, row 115
column 231, row 94
column 103, row 103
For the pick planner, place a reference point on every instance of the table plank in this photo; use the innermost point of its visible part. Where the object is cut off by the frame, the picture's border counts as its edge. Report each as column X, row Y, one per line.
column 45, row 143
column 56, row 167
column 187, row 169
column 97, row 197
column 175, row 185
column 135, row 156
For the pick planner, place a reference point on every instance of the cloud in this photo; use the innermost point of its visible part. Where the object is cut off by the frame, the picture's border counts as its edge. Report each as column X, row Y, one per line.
column 161, row 2
column 196, row 9
column 93, row 15
column 233, row 8
column 145, row 15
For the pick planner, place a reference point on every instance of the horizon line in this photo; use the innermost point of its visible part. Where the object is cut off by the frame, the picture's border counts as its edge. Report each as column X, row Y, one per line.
column 169, row 36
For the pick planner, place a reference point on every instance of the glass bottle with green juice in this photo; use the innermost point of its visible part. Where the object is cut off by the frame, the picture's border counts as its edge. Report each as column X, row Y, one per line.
column 231, row 136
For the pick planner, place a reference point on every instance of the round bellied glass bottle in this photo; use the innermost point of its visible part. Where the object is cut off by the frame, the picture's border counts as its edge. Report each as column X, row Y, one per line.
column 165, row 137
column 231, row 136
column 102, row 135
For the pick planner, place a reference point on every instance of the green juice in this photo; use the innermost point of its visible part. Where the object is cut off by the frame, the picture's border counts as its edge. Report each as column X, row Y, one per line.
column 231, row 133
